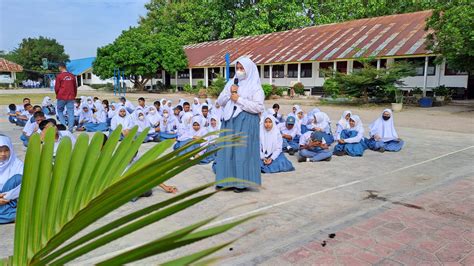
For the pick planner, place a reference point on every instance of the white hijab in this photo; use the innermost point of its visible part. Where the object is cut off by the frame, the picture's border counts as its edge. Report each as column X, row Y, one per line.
column 100, row 116
column 247, row 87
column 46, row 101
column 153, row 116
column 142, row 124
column 343, row 123
column 190, row 133
column 321, row 121
column 269, row 139
column 385, row 129
column 85, row 115
column 359, row 127
column 12, row 166
column 125, row 121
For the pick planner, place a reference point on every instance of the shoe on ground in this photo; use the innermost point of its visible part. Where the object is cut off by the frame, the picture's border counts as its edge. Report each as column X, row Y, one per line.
column 301, row 159
column 339, row 153
column 382, row 150
column 328, row 159
column 239, row 190
column 291, row 152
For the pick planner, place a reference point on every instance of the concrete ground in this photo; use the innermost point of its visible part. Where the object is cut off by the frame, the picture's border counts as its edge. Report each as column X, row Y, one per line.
column 305, row 206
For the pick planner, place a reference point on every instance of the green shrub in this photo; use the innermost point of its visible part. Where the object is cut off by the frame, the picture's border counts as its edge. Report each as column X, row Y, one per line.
column 108, row 86
column 299, row 88
column 277, row 91
column 442, row 91
column 416, row 90
column 200, row 85
column 331, row 88
column 267, row 90
column 217, row 86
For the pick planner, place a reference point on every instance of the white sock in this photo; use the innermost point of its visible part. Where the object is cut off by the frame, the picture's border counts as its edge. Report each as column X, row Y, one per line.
column 289, row 147
column 308, row 160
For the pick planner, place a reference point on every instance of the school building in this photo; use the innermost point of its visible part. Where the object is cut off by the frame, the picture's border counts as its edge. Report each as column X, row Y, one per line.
column 284, row 58
column 8, row 70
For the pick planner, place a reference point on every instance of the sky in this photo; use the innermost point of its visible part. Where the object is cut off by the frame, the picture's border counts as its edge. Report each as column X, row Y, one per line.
column 81, row 26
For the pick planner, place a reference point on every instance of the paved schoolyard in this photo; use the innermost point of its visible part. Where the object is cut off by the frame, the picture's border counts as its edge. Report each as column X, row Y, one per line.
column 426, row 186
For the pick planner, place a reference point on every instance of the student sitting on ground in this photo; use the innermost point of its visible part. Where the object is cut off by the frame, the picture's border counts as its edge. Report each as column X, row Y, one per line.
column 98, row 120
column 48, row 108
column 157, row 105
column 351, row 141
column 272, row 159
column 178, row 113
column 31, row 127
column 383, row 136
column 196, row 108
column 343, row 123
column 127, row 104
column 60, row 133
column 122, row 118
column 205, row 115
column 322, row 124
column 289, row 133
column 278, row 116
column 12, row 113
column 214, row 125
column 139, row 119
column 77, row 111
column 84, row 117
column 217, row 111
column 154, row 118
column 197, row 131
column 11, row 172
column 25, row 115
column 313, row 147
column 168, row 126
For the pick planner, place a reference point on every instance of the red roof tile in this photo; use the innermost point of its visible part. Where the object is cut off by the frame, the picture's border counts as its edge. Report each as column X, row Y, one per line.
column 9, row 66
column 394, row 35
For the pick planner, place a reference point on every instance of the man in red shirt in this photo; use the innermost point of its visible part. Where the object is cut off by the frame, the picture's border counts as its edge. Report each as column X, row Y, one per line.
column 66, row 91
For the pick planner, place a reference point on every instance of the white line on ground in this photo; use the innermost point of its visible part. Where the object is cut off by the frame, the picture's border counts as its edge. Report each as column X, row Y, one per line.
column 110, row 254
column 330, row 189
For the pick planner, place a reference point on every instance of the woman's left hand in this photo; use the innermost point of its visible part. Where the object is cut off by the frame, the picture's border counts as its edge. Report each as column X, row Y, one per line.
column 234, row 97
column 3, row 201
column 341, row 141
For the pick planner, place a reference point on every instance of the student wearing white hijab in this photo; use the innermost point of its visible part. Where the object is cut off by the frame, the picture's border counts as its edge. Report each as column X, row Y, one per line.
column 47, row 107
column 343, row 123
column 98, row 120
column 168, row 126
column 383, row 136
column 11, row 172
column 84, row 117
column 272, row 159
column 140, row 120
column 196, row 131
column 293, row 110
column 214, row 125
column 209, row 103
column 217, row 111
column 313, row 147
column 196, row 107
column 351, row 141
column 122, row 118
column 242, row 105
column 289, row 133
column 186, row 123
column 321, row 122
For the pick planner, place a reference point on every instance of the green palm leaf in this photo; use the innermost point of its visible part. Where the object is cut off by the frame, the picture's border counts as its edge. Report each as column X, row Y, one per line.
column 58, row 200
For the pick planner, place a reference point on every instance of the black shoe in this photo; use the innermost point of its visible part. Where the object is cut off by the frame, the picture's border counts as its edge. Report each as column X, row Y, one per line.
column 291, row 152
column 147, row 194
column 239, row 190
column 301, row 159
column 328, row 159
column 339, row 153
column 382, row 150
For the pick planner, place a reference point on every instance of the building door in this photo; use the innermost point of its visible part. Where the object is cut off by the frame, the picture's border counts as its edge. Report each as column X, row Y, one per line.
column 167, row 79
column 470, row 86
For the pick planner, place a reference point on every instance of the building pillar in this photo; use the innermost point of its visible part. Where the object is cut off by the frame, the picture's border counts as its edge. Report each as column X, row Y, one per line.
column 262, row 68
column 176, row 80
column 299, row 72
column 350, row 66
column 206, row 77
column 82, row 79
column 271, row 74
column 191, row 77
column 425, row 76
column 334, row 66
column 378, row 64
column 222, row 71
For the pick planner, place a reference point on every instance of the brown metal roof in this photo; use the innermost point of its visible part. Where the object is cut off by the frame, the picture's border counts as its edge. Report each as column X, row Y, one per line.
column 388, row 36
column 9, row 66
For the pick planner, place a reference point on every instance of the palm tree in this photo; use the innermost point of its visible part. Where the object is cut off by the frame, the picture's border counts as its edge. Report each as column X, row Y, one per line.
column 86, row 182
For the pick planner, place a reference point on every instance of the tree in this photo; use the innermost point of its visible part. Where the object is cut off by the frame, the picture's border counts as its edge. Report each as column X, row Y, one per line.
column 90, row 180
column 31, row 51
column 452, row 35
column 367, row 81
column 140, row 54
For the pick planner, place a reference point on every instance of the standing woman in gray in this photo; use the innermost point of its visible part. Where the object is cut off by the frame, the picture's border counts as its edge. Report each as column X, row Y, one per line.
column 242, row 99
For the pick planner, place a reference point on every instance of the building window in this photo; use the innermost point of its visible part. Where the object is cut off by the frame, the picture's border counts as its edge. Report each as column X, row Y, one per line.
column 183, row 74
column 83, row 75
column 278, row 71
column 451, row 72
column 89, row 75
column 306, row 70
column 266, row 71
column 341, row 67
column 419, row 64
column 159, row 74
column 383, row 63
column 232, row 72
column 324, row 67
column 198, row 73
column 214, row 72
column 293, row 70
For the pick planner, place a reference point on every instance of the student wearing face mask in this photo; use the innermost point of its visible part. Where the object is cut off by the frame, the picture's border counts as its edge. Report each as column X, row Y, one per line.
column 383, row 136
column 11, row 172
column 351, row 141
column 168, row 126
column 196, row 131
column 122, row 118
column 144, row 125
column 98, row 119
column 77, row 110
column 154, row 118
column 242, row 99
